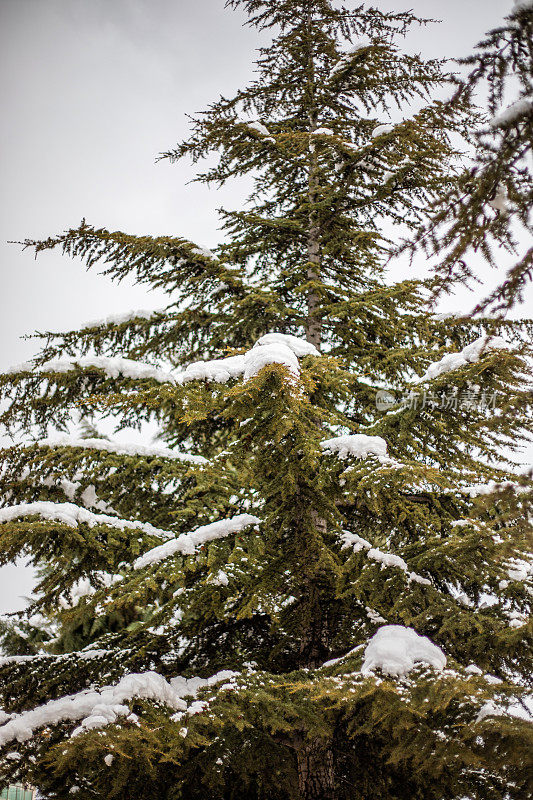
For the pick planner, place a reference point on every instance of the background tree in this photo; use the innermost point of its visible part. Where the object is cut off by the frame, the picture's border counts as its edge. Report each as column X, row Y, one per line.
column 492, row 201
column 252, row 620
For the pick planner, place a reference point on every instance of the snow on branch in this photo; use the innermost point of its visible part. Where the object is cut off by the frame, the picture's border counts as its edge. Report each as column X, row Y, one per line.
column 519, row 570
column 481, row 489
column 520, row 710
column 121, row 449
column 521, row 108
column 98, row 708
column 381, row 130
column 186, row 543
column 259, row 128
column 84, row 588
column 396, row 650
column 357, row 543
column 113, row 366
column 125, row 316
column 219, row 370
column 357, row 445
column 205, row 252
column 332, row 662
column 72, row 515
column 273, row 348
column 359, row 44
column 82, row 655
column 468, row 355
column 275, row 353
column 300, row 347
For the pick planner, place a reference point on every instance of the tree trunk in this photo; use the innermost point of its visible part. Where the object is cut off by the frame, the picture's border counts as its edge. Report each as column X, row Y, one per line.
column 314, row 323
column 314, row 645
column 316, row 779
column 315, row 759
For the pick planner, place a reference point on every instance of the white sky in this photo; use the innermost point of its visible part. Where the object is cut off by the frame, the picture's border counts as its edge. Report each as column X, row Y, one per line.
column 91, row 91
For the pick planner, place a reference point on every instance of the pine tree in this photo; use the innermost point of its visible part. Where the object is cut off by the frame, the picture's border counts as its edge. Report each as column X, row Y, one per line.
column 331, row 594
column 492, row 201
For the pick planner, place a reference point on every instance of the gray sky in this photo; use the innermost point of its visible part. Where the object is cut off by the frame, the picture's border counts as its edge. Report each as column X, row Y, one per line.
column 91, row 91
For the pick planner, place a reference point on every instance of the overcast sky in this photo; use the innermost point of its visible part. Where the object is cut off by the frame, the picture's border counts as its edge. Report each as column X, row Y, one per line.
column 90, row 92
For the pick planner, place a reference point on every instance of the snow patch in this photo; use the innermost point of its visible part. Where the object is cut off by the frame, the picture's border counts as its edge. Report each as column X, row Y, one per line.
column 300, row 347
column 261, row 129
column 357, row 445
column 521, row 710
column 520, row 570
column 381, row 130
column 396, row 650
column 220, row 579
column 520, row 108
column 481, row 489
column 272, row 348
column 203, row 251
column 276, row 353
column 355, row 541
column 500, row 201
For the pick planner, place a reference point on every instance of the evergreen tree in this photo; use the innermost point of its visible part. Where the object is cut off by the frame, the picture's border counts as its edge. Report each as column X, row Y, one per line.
column 492, row 201
column 330, row 597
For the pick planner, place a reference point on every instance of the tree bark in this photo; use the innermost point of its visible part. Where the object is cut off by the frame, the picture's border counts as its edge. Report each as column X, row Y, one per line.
column 314, row 324
column 316, row 778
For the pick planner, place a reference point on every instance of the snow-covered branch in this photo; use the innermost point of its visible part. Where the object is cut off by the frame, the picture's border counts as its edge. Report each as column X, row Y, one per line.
column 72, row 515
column 357, row 543
column 186, row 543
column 468, row 355
column 122, row 449
column 273, row 348
column 98, row 708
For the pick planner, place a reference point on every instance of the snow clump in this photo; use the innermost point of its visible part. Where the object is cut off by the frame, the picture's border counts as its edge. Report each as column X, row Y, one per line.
column 396, row 650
